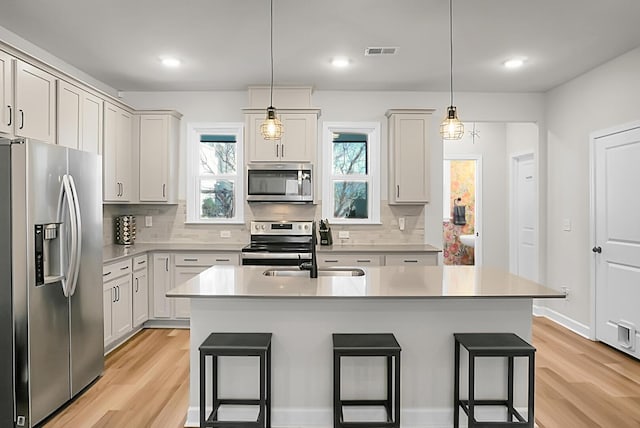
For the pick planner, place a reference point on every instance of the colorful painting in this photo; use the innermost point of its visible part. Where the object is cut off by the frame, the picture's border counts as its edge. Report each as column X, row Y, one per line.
column 463, row 175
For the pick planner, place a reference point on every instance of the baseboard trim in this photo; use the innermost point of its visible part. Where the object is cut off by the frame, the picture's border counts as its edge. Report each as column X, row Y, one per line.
column 320, row 418
column 563, row 320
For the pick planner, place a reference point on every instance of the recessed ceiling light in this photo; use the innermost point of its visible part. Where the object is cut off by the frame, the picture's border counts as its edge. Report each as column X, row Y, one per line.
column 514, row 63
column 170, row 62
column 340, row 62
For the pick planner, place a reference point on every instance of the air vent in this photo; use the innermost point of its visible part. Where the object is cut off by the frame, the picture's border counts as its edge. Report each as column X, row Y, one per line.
column 379, row 51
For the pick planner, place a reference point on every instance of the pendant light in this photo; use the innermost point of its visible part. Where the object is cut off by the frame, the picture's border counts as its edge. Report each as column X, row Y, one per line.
column 271, row 128
column 451, row 128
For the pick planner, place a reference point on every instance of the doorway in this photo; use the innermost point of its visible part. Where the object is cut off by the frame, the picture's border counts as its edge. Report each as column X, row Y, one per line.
column 462, row 214
column 523, row 235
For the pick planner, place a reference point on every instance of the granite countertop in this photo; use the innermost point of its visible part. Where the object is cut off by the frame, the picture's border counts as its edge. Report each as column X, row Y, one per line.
column 426, row 282
column 112, row 253
column 378, row 248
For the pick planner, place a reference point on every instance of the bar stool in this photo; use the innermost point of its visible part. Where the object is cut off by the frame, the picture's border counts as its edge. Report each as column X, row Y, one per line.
column 367, row 345
column 236, row 344
column 506, row 345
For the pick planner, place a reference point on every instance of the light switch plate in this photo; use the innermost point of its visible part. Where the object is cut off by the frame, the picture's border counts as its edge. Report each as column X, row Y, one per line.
column 401, row 223
column 148, row 221
column 343, row 234
column 566, row 225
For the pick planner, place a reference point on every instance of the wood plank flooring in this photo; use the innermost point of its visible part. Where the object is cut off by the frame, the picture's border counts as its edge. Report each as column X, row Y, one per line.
column 579, row 384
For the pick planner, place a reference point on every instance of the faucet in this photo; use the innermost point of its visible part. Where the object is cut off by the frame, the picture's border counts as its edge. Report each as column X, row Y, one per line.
column 312, row 266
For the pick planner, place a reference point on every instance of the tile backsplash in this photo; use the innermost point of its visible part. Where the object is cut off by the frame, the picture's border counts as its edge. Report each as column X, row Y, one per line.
column 169, row 224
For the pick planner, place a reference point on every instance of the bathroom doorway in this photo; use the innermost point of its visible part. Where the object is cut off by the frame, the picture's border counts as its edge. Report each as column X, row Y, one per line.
column 462, row 201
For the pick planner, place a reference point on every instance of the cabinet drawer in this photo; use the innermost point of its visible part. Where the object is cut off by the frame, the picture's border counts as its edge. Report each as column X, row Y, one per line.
column 206, row 259
column 140, row 262
column 115, row 270
column 411, row 259
column 349, row 260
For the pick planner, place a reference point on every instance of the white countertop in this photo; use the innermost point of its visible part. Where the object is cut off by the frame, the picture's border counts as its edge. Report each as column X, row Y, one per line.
column 381, row 248
column 378, row 282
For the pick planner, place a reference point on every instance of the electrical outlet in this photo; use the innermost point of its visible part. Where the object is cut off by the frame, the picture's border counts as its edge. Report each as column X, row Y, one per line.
column 148, row 221
column 401, row 223
column 343, row 234
column 225, row 234
column 565, row 290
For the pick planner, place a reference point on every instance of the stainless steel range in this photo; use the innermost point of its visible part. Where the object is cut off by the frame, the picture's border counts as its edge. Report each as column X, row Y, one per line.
column 279, row 243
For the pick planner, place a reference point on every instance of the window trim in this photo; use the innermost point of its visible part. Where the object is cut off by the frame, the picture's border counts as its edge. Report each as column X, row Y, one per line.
column 194, row 131
column 372, row 129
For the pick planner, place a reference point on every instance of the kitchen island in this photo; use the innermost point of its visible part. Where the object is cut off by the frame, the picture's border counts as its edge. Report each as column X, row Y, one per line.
column 421, row 306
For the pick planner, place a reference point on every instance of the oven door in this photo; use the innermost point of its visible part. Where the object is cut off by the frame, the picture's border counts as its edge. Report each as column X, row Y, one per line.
column 274, row 258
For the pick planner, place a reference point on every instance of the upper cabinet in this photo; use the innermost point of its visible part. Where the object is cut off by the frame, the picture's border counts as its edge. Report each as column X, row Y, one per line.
column 118, row 133
column 158, row 138
column 298, row 143
column 409, row 156
column 80, row 119
column 7, row 114
column 35, row 94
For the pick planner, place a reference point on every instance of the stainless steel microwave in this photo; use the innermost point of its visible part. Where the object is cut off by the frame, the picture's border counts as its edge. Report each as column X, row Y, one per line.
column 280, row 182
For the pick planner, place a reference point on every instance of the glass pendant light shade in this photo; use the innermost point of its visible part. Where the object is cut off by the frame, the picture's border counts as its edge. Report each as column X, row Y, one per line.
column 271, row 128
column 451, row 128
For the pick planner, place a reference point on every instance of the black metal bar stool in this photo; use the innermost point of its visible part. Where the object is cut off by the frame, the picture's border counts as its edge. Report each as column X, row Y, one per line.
column 236, row 344
column 368, row 345
column 506, row 345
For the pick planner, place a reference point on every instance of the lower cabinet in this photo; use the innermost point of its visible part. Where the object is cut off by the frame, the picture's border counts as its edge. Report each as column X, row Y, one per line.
column 417, row 259
column 117, row 301
column 140, row 291
column 183, row 274
column 162, row 280
column 359, row 260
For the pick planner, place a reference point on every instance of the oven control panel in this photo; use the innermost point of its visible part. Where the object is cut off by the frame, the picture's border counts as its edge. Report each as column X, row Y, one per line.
column 281, row 227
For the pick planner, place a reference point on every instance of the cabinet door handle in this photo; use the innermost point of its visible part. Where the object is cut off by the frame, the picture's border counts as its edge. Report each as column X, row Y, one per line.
column 282, row 150
column 118, row 293
column 10, row 116
column 21, row 119
column 277, row 150
column 398, row 191
column 222, row 260
column 137, row 280
column 166, row 264
column 113, row 295
column 164, row 190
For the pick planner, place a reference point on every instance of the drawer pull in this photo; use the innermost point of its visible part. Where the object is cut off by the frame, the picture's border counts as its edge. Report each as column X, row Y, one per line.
column 106, row 274
column 331, row 261
column 223, row 260
column 411, row 261
column 124, row 268
column 363, row 261
column 141, row 262
column 190, row 260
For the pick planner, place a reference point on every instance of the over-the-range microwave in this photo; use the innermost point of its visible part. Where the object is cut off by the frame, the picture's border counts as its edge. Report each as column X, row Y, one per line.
column 280, row 182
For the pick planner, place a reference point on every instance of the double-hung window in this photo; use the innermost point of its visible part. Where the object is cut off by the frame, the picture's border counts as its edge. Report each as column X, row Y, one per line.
column 214, row 166
column 351, row 183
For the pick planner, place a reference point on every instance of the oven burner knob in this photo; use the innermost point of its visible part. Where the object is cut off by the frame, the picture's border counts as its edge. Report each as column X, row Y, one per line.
column 262, row 227
column 306, row 227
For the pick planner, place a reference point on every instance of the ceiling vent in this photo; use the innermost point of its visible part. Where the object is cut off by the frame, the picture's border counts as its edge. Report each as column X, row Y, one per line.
column 380, row 51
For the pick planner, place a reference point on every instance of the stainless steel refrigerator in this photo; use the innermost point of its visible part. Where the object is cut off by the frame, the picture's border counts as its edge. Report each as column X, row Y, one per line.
column 51, row 317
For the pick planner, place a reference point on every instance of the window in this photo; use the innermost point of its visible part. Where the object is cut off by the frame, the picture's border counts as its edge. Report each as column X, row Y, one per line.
column 214, row 167
column 351, row 183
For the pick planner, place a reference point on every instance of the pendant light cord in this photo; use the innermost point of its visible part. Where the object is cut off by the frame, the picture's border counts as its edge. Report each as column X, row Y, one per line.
column 271, row 48
column 450, row 49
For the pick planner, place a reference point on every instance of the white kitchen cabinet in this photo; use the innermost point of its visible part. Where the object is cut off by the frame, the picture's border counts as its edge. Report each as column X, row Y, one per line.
column 7, row 114
column 69, row 115
column 117, row 153
column 140, row 291
column 162, row 282
column 158, row 140
column 91, row 123
column 409, row 156
column 299, row 140
column 35, row 107
column 359, row 260
column 117, row 304
column 411, row 259
column 183, row 274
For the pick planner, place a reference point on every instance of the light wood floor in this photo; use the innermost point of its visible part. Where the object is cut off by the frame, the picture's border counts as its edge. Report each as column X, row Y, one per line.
column 579, row 384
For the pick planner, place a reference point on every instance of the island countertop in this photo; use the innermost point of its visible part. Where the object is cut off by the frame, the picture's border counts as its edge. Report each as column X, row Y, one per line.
column 416, row 282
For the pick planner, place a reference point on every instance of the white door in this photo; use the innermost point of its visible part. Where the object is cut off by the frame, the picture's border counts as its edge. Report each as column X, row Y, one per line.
column 35, row 95
column 524, row 255
column 616, row 156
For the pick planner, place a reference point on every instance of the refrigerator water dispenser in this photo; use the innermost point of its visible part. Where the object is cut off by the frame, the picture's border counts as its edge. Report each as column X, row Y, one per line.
column 48, row 267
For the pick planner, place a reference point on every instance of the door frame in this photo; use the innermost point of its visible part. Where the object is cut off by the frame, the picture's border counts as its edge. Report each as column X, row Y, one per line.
column 593, row 138
column 514, row 166
column 478, row 197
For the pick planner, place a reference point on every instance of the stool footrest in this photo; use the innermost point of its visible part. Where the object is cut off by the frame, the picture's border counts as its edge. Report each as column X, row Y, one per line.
column 465, row 407
column 239, row 401
column 364, row 402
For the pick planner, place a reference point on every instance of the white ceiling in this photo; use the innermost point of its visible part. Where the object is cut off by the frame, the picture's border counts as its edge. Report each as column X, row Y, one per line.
column 224, row 44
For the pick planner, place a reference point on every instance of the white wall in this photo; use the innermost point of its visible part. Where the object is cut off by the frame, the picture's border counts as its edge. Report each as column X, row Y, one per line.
column 602, row 98
column 358, row 106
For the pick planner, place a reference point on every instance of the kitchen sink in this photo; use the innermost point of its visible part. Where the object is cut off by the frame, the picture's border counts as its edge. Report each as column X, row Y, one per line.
column 321, row 272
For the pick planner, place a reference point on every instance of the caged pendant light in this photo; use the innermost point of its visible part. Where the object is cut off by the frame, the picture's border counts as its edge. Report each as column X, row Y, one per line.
column 451, row 128
column 271, row 128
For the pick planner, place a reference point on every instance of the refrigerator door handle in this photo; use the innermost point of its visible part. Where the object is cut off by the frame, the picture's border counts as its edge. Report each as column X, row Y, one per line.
column 66, row 195
column 76, row 204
